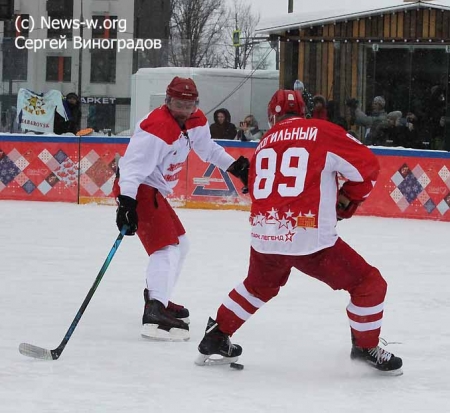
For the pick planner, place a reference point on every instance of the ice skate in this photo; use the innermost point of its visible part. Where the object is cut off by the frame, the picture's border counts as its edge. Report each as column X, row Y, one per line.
column 216, row 347
column 159, row 324
column 377, row 357
column 176, row 310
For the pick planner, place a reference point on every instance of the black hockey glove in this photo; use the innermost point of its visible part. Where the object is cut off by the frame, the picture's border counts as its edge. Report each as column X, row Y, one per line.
column 239, row 168
column 126, row 214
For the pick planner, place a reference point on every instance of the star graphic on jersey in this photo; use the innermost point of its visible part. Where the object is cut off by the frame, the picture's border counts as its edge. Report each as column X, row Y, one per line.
column 309, row 214
column 258, row 219
column 289, row 214
column 289, row 236
column 284, row 223
column 273, row 213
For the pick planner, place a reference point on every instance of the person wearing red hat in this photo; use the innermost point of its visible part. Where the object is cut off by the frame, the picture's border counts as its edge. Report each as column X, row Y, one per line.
column 147, row 174
column 296, row 204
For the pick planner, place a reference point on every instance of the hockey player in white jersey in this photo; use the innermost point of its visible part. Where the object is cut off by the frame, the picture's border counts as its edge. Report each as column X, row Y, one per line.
column 149, row 171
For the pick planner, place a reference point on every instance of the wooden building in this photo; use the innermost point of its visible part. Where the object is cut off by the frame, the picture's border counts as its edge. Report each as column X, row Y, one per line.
column 400, row 52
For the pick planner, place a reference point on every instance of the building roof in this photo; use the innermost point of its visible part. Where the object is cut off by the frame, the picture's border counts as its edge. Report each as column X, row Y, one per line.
column 344, row 10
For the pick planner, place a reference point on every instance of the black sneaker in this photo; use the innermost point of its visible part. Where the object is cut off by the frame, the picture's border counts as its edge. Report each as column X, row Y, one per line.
column 176, row 310
column 379, row 358
column 215, row 342
column 159, row 324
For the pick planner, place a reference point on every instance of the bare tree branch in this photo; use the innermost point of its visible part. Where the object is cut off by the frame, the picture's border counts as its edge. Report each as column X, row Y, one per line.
column 196, row 27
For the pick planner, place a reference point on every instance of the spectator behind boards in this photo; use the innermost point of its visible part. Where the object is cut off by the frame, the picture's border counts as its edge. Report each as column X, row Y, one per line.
column 72, row 105
column 248, row 130
column 222, row 128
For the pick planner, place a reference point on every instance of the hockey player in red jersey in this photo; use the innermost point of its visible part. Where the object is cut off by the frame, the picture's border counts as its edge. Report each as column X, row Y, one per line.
column 148, row 172
column 295, row 207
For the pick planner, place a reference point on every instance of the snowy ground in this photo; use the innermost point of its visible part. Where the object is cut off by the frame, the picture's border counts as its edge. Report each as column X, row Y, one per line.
column 296, row 348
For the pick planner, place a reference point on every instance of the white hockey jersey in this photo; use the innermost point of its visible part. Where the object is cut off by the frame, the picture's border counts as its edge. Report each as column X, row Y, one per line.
column 158, row 149
column 36, row 111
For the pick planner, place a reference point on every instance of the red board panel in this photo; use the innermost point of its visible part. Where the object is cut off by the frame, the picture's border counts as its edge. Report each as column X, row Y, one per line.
column 412, row 184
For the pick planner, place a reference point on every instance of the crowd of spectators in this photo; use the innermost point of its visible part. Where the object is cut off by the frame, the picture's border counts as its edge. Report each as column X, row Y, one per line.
column 223, row 128
column 421, row 128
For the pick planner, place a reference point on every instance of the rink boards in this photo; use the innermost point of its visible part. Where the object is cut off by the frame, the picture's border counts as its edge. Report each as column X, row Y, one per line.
column 412, row 183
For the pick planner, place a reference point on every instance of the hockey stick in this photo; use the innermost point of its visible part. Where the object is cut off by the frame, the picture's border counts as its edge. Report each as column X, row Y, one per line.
column 41, row 353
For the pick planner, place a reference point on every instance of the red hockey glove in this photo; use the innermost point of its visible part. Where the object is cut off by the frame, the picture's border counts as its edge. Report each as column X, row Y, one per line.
column 345, row 208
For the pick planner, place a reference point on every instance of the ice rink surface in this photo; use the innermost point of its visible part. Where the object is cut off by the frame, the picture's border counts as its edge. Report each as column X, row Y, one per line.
column 296, row 348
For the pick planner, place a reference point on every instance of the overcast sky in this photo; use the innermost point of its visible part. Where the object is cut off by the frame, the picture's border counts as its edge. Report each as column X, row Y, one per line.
column 272, row 8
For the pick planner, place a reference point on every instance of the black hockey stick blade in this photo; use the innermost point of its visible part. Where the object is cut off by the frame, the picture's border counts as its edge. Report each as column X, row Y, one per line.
column 36, row 352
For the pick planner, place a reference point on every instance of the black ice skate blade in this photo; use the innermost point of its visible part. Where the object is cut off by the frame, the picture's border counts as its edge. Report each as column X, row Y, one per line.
column 384, row 373
column 390, row 373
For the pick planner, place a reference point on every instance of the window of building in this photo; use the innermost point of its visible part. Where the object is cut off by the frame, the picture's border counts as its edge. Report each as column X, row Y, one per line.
column 105, row 27
column 60, row 11
column 103, row 66
column 10, row 26
column 6, row 9
column 59, row 69
column 14, row 61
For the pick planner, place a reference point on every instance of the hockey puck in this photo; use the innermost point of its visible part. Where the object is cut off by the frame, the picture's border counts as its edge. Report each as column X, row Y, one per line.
column 236, row 366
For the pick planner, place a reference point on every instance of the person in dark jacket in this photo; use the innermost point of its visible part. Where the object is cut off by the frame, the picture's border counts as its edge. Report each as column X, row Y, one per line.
column 320, row 108
column 222, row 128
column 334, row 114
column 72, row 105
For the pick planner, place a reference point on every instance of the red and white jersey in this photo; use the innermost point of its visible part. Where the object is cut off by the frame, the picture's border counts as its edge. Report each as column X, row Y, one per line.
column 158, row 149
column 293, row 184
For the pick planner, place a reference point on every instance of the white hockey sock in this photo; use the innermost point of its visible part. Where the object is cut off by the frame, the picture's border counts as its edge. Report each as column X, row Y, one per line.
column 163, row 269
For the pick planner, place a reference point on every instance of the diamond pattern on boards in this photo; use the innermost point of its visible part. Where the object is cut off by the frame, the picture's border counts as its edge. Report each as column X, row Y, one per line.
column 92, row 156
column 44, row 187
column 8, row 170
column 45, row 156
column 53, row 165
column 444, row 173
column 410, row 188
column 418, row 171
column 108, row 186
column 430, row 206
column 29, row 187
column 85, row 164
column 396, row 195
column 403, row 204
column 60, row 156
column 447, row 182
column 14, row 155
column 424, row 180
column 21, row 163
column 397, row 178
column 21, row 179
column 99, row 171
column 423, row 197
column 88, row 185
column 443, row 207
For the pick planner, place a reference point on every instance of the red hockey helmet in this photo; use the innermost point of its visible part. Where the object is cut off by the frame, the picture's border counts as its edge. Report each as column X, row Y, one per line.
column 182, row 88
column 285, row 102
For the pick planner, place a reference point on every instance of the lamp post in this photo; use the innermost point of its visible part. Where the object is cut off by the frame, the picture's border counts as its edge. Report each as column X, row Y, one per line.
column 80, row 53
column 80, row 78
